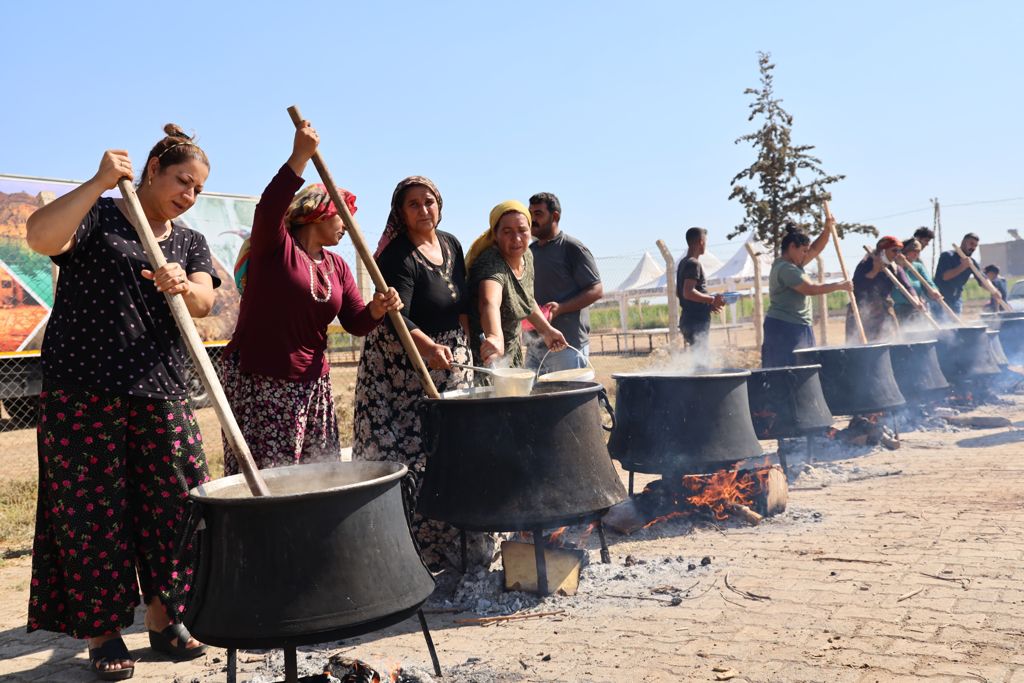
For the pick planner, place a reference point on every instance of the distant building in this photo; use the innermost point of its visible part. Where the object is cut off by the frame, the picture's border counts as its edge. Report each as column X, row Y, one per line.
column 1007, row 256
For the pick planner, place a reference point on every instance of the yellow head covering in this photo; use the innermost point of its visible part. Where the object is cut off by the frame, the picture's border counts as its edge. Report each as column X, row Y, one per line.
column 486, row 239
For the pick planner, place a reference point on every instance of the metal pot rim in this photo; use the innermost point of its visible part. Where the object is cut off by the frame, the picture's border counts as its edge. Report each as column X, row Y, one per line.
column 486, row 394
column 208, row 492
column 786, row 368
column 854, row 347
column 666, row 375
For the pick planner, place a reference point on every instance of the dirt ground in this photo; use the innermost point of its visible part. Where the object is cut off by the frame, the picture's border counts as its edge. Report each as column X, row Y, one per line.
column 888, row 566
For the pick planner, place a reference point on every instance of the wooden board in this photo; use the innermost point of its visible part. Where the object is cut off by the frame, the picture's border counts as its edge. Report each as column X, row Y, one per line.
column 563, row 568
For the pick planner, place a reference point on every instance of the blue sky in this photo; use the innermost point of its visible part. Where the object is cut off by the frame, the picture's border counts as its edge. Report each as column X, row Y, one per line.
column 627, row 111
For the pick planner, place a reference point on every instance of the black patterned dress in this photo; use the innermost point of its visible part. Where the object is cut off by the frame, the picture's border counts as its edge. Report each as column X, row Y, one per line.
column 118, row 442
column 387, row 422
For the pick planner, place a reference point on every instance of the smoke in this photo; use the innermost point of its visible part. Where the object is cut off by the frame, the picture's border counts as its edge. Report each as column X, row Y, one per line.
column 696, row 359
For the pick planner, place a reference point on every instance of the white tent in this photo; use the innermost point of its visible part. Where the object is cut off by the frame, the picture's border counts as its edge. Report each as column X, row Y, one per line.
column 646, row 272
column 741, row 266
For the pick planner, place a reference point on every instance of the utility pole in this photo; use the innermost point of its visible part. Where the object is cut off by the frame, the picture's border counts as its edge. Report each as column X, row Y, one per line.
column 937, row 228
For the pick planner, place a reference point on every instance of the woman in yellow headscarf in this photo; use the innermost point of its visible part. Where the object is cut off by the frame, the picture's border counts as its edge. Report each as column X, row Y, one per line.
column 501, row 289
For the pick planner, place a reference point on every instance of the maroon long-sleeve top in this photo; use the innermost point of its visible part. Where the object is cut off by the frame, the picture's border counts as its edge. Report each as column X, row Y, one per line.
column 282, row 330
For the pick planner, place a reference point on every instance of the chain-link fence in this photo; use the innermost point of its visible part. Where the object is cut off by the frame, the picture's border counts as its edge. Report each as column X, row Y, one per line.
column 21, row 380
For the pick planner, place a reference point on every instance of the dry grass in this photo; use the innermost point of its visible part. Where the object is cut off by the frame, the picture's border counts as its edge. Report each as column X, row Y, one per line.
column 17, row 516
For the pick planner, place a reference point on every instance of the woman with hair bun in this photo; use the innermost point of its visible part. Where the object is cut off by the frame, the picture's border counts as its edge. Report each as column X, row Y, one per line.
column 787, row 323
column 276, row 374
column 119, row 446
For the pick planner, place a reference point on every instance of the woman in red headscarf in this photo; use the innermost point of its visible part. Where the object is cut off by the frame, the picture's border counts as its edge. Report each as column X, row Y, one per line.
column 276, row 374
column 873, row 290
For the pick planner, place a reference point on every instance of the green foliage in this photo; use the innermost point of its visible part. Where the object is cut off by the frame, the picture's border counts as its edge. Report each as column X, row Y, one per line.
column 778, row 190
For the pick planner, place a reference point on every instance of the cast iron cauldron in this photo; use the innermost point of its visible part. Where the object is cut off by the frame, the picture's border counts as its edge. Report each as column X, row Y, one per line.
column 915, row 365
column 787, row 402
column 1011, row 336
column 996, row 349
column 518, row 462
column 328, row 555
column 964, row 352
column 673, row 423
column 855, row 379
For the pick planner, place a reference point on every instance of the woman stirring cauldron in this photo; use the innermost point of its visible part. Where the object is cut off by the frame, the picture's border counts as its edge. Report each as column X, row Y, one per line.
column 873, row 290
column 427, row 267
column 787, row 323
column 276, row 374
column 501, row 289
column 118, row 442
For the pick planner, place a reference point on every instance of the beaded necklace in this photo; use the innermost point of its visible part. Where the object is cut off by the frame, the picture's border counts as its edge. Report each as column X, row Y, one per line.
column 315, row 273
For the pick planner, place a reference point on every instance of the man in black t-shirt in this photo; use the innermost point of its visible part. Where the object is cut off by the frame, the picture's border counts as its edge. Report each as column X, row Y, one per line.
column 691, row 288
column 952, row 272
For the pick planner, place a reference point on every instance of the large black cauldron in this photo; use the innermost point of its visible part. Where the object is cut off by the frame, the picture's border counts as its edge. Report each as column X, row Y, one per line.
column 916, row 368
column 787, row 402
column 965, row 353
column 1010, row 325
column 996, row 349
column 855, row 379
column 1011, row 336
column 672, row 423
column 328, row 555
column 516, row 463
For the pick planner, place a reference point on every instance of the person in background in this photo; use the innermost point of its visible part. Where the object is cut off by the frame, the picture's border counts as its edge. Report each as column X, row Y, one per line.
column 953, row 272
column 118, row 440
column 910, row 257
column 873, row 291
column 566, row 282
column 787, row 322
column 924, row 236
column 992, row 273
column 501, row 289
column 275, row 370
column 691, row 287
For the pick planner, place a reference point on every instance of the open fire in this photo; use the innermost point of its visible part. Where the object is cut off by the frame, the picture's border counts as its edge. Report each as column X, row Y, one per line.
column 747, row 494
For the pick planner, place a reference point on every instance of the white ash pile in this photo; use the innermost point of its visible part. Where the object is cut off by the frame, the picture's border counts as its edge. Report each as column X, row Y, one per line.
column 480, row 590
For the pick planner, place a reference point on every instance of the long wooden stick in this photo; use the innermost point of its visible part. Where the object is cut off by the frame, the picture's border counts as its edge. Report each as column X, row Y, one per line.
column 934, row 294
column 194, row 343
column 982, row 279
column 907, row 293
column 371, row 266
column 846, row 275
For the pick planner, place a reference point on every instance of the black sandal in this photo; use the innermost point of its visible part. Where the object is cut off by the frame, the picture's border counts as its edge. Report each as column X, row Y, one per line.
column 111, row 651
column 162, row 641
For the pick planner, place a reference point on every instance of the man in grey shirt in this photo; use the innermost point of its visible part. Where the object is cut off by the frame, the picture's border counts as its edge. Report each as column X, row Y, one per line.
column 566, row 282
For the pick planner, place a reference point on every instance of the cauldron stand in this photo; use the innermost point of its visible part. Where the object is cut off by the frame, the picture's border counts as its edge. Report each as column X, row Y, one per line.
column 539, row 544
column 291, row 661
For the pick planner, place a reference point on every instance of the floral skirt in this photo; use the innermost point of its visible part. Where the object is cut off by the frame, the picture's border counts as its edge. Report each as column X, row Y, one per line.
column 283, row 422
column 387, row 427
column 114, row 476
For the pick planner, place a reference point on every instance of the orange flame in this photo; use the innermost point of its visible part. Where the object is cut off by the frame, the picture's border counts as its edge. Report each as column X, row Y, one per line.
column 586, row 534
column 721, row 489
column 665, row 518
column 556, row 536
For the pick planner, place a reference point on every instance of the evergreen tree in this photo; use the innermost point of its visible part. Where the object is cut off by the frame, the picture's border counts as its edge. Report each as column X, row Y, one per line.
column 777, row 192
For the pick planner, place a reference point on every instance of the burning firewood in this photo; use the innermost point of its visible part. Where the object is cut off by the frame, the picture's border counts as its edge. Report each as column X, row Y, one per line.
column 748, row 494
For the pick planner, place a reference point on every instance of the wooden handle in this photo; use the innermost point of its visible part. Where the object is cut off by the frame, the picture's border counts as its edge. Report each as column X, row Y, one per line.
column 371, row 266
column 982, row 279
column 829, row 220
column 907, row 293
column 934, row 294
column 194, row 344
